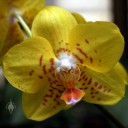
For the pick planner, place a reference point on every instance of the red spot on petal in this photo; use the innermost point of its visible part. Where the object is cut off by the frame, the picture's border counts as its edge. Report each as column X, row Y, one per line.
column 85, row 88
column 91, row 93
column 78, row 44
column 91, row 60
column 92, row 89
column 109, row 90
column 81, row 73
column 50, row 70
column 44, row 69
column 78, row 58
column 95, row 84
column 40, row 77
column 92, row 96
column 63, row 50
column 49, row 79
column 99, row 60
column 90, row 81
column 86, row 78
column 95, row 51
column 83, row 77
column 44, row 104
column 52, row 61
column 86, row 41
column 67, row 43
column 31, row 72
column 100, row 87
column 55, row 99
column 41, row 58
column 54, row 107
column 83, row 84
column 58, row 103
column 82, row 52
column 99, row 99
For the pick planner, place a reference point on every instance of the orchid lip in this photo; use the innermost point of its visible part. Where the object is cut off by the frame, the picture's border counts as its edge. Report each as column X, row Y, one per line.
column 68, row 74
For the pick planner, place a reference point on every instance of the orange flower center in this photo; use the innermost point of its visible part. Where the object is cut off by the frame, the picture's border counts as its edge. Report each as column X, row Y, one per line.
column 68, row 75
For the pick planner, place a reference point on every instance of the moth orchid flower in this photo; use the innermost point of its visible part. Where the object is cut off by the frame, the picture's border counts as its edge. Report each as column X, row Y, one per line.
column 64, row 62
column 10, row 31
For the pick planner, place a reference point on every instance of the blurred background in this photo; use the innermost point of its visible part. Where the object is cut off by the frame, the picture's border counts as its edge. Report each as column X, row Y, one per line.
column 82, row 115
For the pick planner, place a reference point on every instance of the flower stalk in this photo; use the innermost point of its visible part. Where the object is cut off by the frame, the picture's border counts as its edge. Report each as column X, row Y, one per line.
column 23, row 24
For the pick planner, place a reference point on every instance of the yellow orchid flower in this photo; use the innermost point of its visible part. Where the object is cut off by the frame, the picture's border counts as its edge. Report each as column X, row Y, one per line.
column 10, row 31
column 64, row 62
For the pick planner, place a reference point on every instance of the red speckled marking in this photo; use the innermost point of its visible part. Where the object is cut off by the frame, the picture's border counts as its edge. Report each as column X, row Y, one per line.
column 63, row 50
column 100, row 87
column 41, row 58
column 86, row 41
column 99, row 60
column 92, row 89
column 67, row 43
column 91, row 60
column 40, row 77
column 95, row 89
column 81, row 74
column 83, row 84
column 49, row 79
column 91, row 93
column 83, row 53
column 78, row 58
column 85, row 78
column 31, row 72
column 109, row 90
column 53, row 75
column 44, row 69
column 93, row 96
column 95, row 51
column 99, row 99
column 51, row 65
column 78, row 44
column 90, row 81
column 95, row 84
column 54, row 88
column 85, row 88
column 54, row 93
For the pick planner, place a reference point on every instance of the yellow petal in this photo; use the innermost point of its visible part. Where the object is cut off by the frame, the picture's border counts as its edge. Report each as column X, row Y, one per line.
column 54, row 24
column 14, row 36
column 97, row 45
column 79, row 18
column 27, row 65
column 102, row 88
column 122, row 71
column 40, row 106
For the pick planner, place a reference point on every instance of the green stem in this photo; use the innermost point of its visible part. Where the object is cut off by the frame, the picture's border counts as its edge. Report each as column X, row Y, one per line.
column 23, row 24
column 110, row 116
